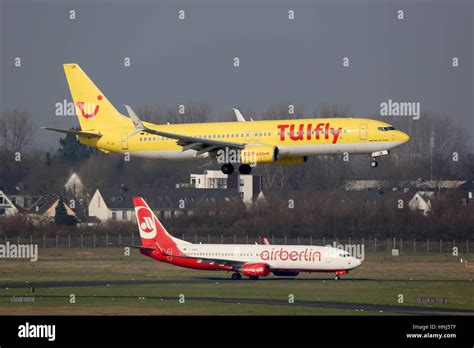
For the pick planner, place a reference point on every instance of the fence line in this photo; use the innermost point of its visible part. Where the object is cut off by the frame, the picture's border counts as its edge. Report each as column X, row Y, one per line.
column 370, row 244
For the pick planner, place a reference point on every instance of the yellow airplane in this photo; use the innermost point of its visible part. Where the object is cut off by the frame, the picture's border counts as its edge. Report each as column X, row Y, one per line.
column 244, row 142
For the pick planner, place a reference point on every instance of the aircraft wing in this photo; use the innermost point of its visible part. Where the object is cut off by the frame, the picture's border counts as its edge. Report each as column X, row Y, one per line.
column 213, row 261
column 201, row 145
column 74, row 132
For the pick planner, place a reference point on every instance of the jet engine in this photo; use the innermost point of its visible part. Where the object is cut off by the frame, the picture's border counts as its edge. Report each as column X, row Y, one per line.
column 255, row 269
column 259, row 154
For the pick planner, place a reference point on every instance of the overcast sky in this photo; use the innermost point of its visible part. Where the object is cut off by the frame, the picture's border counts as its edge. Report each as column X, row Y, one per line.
column 299, row 61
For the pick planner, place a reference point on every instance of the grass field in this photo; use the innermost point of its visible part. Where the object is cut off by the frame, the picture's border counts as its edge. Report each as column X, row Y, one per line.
column 379, row 280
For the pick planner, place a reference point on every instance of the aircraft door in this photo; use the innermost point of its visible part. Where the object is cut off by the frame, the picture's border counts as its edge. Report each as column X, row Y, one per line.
column 363, row 131
column 170, row 253
column 124, row 141
column 248, row 136
column 256, row 136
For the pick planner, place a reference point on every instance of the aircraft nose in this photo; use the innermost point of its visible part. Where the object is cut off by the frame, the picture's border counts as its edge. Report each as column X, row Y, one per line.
column 356, row 262
column 404, row 137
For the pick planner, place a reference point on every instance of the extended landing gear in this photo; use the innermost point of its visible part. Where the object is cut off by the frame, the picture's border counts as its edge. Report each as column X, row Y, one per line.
column 253, row 277
column 236, row 276
column 245, row 169
column 338, row 273
column 227, row 168
column 373, row 162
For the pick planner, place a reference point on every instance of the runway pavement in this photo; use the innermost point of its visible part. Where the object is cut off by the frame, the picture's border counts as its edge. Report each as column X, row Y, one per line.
column 380, row 308
column 89, row 283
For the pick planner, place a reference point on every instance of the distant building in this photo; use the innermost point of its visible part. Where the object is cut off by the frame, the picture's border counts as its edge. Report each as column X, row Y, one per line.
column 116, row 204
column 7, row 208
column 249, row 186
column 421, row 201
column 467, row 191
column 75, row 187
column 368, row 197
column 21, row 198
column 45, row 208
column 364, row 185
column 211, row 179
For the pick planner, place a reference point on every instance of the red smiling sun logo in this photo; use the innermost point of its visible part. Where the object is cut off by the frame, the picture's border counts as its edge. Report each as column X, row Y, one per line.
column 89, row 110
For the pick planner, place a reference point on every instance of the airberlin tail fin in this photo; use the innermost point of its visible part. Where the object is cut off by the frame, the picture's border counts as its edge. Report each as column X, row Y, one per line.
column 94, row 110
column 152, row 232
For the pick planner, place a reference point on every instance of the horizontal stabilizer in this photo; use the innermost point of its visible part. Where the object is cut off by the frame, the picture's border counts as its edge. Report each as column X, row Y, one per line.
column 74, row 132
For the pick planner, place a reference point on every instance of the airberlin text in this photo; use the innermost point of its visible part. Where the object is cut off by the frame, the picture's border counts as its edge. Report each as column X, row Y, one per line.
column 281, row 254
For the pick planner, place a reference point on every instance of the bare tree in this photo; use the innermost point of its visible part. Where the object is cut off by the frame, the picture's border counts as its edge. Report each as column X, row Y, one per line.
column 326, row 110
column 284, row 111
column 191, row 112
column 16, row 130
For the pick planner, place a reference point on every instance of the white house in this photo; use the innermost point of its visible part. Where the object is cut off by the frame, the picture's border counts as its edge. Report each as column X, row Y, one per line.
column 117, row 204
column 210, row 179
column 7, row 207
column 45, row 208
column 421, row 201
column 248, row 186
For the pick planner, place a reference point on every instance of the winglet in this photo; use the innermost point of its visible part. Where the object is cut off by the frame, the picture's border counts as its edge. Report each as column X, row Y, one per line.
column 139, row 127
column 238, row 115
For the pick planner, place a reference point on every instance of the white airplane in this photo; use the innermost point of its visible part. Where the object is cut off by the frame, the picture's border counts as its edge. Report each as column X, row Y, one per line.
column 252, row 260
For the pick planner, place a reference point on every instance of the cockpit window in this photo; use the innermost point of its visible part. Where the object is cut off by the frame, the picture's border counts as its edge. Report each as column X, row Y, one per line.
column 386, row 129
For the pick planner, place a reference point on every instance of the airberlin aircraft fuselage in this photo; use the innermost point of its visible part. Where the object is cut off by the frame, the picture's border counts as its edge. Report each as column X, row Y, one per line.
column 255, row 142
column 250, row 260
column 293, row 258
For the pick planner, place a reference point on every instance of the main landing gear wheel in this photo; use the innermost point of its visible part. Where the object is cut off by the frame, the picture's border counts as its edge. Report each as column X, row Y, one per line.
column 253, row 277
column 227, row 168
column 236, row 276
column 245, row 169
column 374, row 163
column 337, row 277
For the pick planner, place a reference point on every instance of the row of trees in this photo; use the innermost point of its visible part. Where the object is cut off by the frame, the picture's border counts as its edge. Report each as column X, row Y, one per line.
column 315, row 216
column 41, row 172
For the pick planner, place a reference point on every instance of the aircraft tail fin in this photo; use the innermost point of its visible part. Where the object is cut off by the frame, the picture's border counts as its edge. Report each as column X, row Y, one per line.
column 94, row 110
column 152, row 232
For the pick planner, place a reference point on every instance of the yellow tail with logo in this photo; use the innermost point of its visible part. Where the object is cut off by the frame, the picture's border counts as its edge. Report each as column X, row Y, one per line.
column 93, row 109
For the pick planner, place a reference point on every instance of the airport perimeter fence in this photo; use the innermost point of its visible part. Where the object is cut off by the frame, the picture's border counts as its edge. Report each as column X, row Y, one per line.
column 370, row 244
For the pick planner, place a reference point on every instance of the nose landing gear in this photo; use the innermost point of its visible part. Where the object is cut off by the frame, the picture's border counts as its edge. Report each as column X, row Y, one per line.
column 236, row 276
column 373, row 162
column 338, row 273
